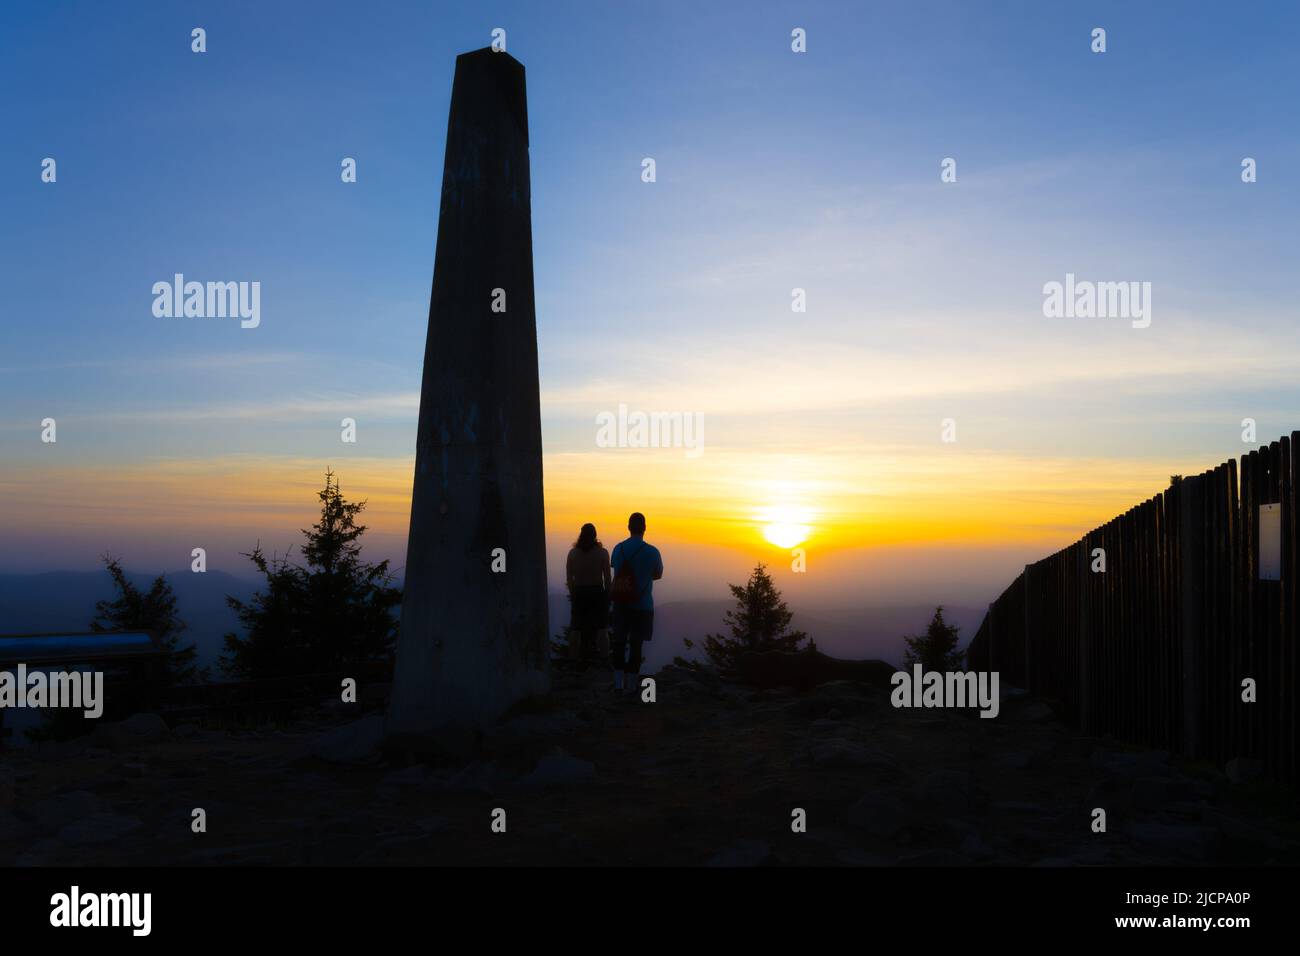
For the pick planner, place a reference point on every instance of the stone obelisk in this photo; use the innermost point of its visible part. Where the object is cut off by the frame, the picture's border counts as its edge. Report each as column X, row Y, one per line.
column 474, row 636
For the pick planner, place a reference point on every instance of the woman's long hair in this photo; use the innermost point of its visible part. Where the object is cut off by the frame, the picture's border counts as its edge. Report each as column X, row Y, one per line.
column 587, row 538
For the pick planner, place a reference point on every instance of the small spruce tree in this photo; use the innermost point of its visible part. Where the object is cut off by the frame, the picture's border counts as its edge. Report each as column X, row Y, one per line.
column 153, row 611
column 335, row 611
column 936, row 649
column 759, row 622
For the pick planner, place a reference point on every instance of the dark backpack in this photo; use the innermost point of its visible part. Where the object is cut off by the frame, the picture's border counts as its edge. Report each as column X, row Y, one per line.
column 624, row 588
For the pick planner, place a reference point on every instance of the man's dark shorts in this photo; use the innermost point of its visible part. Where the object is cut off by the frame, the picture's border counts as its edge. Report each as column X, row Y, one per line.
column 632, row 627
column 634, row 623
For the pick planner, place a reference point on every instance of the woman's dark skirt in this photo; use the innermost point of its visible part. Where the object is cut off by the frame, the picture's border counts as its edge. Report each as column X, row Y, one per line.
column 589, row 608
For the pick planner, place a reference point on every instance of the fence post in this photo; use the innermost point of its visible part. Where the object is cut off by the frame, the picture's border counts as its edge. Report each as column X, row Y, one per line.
column 1191, row 567
column 1029, row 617
column 1083, row 567
column 993, row 647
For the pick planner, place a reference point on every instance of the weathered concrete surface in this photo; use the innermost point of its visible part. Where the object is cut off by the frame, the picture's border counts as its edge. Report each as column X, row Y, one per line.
column 474, row 641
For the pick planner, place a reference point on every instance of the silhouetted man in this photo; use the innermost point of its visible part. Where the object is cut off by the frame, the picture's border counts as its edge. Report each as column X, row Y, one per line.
column 637, row 566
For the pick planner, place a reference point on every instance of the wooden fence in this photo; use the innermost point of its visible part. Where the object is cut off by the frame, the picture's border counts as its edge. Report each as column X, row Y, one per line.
column 1154, row 649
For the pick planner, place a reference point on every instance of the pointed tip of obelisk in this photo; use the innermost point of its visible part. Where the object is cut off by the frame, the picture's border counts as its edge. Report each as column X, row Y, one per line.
column 499, row 76
column 487, row 52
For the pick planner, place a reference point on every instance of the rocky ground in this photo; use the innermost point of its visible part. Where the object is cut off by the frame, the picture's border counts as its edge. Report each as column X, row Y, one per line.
column 708, row 774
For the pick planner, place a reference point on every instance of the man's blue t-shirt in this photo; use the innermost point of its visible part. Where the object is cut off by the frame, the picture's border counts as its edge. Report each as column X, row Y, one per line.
column 645, row 564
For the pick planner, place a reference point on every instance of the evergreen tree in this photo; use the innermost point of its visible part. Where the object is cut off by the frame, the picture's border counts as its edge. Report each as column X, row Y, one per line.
column 936, row 649
column 760, row 622
column 335, row 611
column 153, row 611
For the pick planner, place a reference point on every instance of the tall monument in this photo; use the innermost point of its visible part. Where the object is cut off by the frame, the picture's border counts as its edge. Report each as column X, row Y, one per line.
column 474, row 636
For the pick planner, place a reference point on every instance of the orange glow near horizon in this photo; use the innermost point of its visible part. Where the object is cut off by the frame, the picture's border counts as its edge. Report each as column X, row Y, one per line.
column 754, row 502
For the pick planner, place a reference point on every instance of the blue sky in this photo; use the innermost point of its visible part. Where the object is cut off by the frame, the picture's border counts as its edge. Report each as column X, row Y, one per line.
column 775, row 170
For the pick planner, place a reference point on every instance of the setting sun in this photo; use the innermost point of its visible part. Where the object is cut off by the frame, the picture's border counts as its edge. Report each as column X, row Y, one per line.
column 785, row 527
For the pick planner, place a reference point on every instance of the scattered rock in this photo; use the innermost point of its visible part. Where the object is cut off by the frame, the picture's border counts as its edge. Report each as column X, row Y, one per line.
column 1035, row 711
column 357, row 742
column 935, row 857
column 407, row 778
column 838, row 754
column 1243, row 769
column 1089, row 856
column 478, row 777
column 826, row 725
column 1244, row 834
column 558, row 769
column 742, row 853
column 809, row 708
column 12, row 828
column 881, row 815
column 975, row 848
column 39, row 853
column 1189, row 809
column 135, row 730
column 848, row 697
column 1143, row 762
column 700, row 677
column 533, row 726
column 950, row 790
column 1018, row 806
column 675, row 725
column 1151, row 793
column 98, row 828
column 55, row 812
column 1184, row 840
column 1019, row 760
column 852, row 857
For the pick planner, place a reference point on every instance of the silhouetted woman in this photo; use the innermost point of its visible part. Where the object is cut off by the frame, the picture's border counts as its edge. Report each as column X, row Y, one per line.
column 587, row 572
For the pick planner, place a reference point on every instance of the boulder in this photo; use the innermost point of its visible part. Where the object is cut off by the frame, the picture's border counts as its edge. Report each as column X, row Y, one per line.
column 1019, row 760
column 123, row 734
column 1035, row 711
column 838, row 754
column 479, row 777
column 1243, row 769
column 949, row 790
column 805, row 670
column 353, row 743
column 558, row 769
column 529, row 727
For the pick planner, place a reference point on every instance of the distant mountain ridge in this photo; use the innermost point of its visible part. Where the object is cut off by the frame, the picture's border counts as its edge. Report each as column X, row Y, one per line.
column 854, row 632
column 65, row 600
